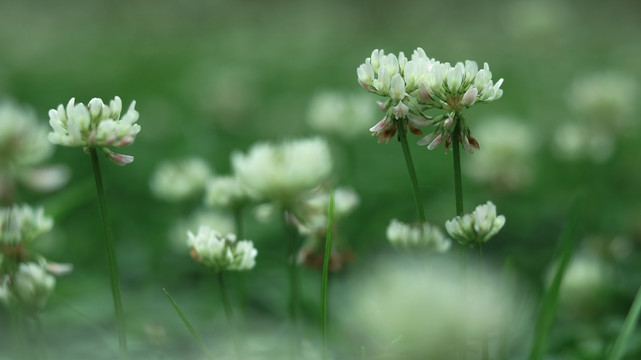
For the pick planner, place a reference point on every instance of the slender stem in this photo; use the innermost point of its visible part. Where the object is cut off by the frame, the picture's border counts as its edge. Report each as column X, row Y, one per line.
column 458, row 187
column 485, row 340
column 192, row 330
column 111, row 256
column 228, row 313
column 291, row 237
column 628, row 327
column 325, row 278
column 402, row 137
column 241, row 292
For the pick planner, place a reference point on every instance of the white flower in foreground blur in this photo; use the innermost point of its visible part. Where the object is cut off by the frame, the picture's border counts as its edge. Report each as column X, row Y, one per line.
column 476, row 228
column 95, row 125
column 30, row 287
column 180, row 179
column 506, row 160
column 412, row 310
column 407, row 236
column 20, row 224
column 23, row 140
column 345, row 115
column 225, row 192
column 222, row 252
column 282, row 171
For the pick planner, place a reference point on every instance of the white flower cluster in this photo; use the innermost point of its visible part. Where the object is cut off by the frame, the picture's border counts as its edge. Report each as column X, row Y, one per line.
column 315, row 206
column 95, row 125
column 283, row 171
column 23, row 141
column 30, row 287
column 414, row 85
column 225, row 192
column 22, row 223
column 341, row 114
column 222, row 252
column 180, row 179
column 406, row 236
column 478, row 227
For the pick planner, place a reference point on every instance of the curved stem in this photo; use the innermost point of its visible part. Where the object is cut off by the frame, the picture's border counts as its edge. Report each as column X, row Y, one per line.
column 111, row 256
column 402, row 137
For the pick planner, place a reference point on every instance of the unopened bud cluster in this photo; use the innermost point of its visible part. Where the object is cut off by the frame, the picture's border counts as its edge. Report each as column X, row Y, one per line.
column 476, row 228
column 414, row 85
column 29, row 287
column 95, row 125
column 408, row 236
column 222, row 252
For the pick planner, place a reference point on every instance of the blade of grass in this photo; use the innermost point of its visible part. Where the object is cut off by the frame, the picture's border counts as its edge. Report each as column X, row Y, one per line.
column 628, row 328
column 549, row 303
column 325, row 278
column 193, row 331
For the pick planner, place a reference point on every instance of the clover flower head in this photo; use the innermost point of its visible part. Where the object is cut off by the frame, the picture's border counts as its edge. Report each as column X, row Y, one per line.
column 345, row 201
column 23, row 140
column 280, row 172
column 30, row 287
column 397, row 79
column 180, row 179
column 21, row 224
column 222, row 252
column 478, row 227
column 408, row 236
column 95, row 125
column 214, row 219
column 225, row 192
column 342, row 114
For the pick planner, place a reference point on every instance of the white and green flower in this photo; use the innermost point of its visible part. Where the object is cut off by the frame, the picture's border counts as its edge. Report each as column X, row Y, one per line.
column 222, row 252
column 478, row 227
column 409, row 236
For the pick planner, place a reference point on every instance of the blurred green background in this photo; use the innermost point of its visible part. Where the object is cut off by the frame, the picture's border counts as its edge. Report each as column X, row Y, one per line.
column 210, row 77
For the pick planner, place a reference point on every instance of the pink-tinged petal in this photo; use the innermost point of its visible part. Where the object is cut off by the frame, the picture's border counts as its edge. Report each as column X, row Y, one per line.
column 120, row 159
column 426, row 140
column 437, row 141
column 469, row 97
column 380, row 126
column 448, row 122
column 423, row 93
column 365, row 86
column 381, row 105
column 126, row 141
column 466, row 144
column 400, row 110
column 418, row 121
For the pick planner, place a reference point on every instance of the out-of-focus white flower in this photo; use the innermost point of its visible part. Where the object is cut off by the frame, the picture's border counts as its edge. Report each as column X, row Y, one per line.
column 22, row 223
column 283, row 171
column 607, row 100
column 577, row 140
column 46, row 178
column 407, row 236
column 505, row 162
column 95, row 125
column 410, row 311
column 345, row 115
column 222, row 252
column 225, row 192
column 345, row 201
column 478, row 227
column 180, row 179
column 211, row 218
column 23, row 140
column 30, row 287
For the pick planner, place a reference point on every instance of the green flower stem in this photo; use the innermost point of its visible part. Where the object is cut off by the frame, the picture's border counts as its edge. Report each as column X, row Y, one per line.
column 241, row 286
column 291, row 238
column 192, row 330
column 19, row 332
column 325, row 277
column 402, row 137
column 111, row 256
column 229, row 314
column 458, row 187
column 628, row 328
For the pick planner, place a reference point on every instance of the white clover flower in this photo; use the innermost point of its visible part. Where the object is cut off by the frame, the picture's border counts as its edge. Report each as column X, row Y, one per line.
column 397, row 79
column 23, row 140
column 225, row 192
column 585, row 277
column 478, row 227
column 411, row 310
column 283, row 171
column 95, row 125
column 222, row 221
column 574, row 141
column 22, row 223
column 345, row 201
column 407, row 236
column 341, row 114
column 30, row 287
column 508, row 148
column 180, row 179
column 222, row 252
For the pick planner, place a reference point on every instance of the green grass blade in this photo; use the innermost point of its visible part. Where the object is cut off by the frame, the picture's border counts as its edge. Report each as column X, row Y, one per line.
column 325, row 278
column 193, row 331
column 549, row 304
column 628, row 328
